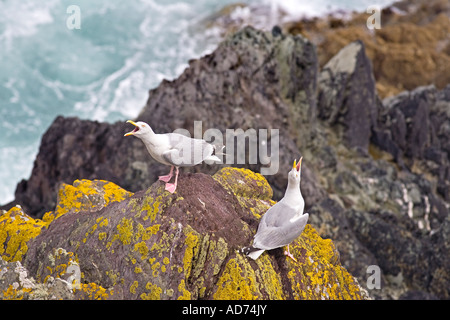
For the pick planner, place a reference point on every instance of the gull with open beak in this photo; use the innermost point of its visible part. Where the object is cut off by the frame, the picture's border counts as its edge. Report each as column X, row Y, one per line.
column 173, row 149
column 284, row 221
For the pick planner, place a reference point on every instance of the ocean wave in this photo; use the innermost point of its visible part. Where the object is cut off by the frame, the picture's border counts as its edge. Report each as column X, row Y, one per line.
column 22, row 18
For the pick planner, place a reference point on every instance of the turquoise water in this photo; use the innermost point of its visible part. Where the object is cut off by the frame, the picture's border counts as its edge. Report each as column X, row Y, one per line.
column 102, row 71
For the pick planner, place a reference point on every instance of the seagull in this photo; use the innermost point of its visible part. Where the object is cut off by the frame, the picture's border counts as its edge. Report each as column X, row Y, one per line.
column 173, row 149
column 284, row 221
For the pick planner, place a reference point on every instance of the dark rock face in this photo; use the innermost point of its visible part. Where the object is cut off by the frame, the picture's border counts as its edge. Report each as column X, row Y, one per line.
column 375, row 174
column 347, row 98
column 416, row 125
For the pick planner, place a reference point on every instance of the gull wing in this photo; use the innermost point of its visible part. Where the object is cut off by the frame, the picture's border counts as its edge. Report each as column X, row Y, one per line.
column 185, row 151
column 279, row 227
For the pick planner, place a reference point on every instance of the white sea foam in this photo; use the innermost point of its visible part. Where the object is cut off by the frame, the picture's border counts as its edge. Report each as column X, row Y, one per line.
column 22, row 18
column 14, row 159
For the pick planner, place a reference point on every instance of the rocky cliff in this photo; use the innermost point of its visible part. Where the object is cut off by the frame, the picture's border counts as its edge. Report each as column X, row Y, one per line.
column 375, row 177
column 102, row 242
column 411, row 49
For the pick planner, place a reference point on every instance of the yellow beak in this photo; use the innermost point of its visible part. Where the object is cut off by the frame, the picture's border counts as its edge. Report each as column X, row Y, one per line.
column 131, row 132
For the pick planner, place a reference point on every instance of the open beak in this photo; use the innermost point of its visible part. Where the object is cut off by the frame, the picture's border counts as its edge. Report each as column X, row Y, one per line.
column 134, row 131
column 298, row 165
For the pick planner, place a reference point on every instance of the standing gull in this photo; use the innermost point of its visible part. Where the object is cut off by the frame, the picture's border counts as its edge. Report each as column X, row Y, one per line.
column 173, row 149
column 284, row 221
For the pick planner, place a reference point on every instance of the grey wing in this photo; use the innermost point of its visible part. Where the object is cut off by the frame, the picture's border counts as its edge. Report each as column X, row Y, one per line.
column 275, row 232
column 277, row 215
column 185, row 151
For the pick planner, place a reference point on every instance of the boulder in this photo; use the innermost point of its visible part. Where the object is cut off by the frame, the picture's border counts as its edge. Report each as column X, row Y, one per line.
column 347, row 97
column 15, row 284
column 157, row 245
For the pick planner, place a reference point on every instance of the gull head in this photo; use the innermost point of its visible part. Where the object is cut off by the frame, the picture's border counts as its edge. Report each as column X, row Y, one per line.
column 141, row 128
column 294, row 175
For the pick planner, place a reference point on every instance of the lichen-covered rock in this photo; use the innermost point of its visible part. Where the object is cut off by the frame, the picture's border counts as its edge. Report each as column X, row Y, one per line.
column 16, row 284
column 157, row 245
column 16, row 229
column 85, row 195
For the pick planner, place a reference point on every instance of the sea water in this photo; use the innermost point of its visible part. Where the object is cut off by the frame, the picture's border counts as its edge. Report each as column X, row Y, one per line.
column 103, row 70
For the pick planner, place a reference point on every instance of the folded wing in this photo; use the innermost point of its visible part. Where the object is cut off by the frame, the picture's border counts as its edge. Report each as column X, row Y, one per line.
column 187, row 152
column 279, row 227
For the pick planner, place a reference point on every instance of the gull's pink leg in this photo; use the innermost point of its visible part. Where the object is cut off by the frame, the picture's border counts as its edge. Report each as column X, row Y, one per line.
column 168, row 177
column 172, row 187
column 288, row 253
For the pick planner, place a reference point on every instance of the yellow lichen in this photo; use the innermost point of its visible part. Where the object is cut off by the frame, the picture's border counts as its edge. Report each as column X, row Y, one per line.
column 85, row 195
column 114, row 193
column 151, row 206
column 125, row 228
column 236, row 283
column 104, row 223
column 185, row 294
column 16, row 229
column 94, row 291
column 133, row 287
column 269, row 277
column 191, row 244
column 154, row 294
column 142, row 248
column 14, row 293
column 244, row 182
column 318, row 275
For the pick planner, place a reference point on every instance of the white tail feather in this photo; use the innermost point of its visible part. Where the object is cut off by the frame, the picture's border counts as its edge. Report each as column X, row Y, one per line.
column 255, row 254
column 212, row 158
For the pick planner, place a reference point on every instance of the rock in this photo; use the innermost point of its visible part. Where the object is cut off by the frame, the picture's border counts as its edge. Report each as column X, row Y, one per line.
column 347, row 98
column 411, row 48
column 388, row 219
column 16, row 229
column 400, row 253
column 157, row 245
column 15, row 284
column 331, row 222
column 416, row 126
